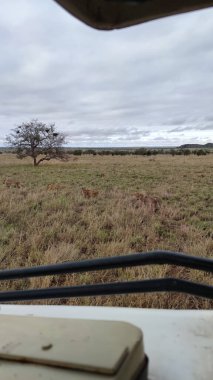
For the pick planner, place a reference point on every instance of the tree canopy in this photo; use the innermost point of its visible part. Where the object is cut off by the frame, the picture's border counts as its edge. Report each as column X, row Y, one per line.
column 37, row 140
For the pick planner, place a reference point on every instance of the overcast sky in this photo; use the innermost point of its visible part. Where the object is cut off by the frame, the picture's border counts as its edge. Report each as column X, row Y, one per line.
column 148, row 85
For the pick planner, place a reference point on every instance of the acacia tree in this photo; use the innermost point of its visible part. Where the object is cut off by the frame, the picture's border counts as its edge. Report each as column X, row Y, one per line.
column 37, row 140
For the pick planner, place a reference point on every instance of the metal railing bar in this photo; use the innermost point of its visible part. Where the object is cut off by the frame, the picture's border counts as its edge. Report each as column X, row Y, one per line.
column 131, row 260
column 145, row 286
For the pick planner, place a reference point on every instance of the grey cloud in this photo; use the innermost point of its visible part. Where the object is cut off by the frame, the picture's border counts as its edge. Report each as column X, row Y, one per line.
column 207, row 128
column 175, row 122
column 209, row 118
column 192, row 128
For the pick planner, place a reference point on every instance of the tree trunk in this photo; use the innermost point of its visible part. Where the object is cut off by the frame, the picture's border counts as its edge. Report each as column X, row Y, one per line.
column 35, row 162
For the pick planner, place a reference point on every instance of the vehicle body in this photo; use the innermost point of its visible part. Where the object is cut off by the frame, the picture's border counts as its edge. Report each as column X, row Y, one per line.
column 179, row 343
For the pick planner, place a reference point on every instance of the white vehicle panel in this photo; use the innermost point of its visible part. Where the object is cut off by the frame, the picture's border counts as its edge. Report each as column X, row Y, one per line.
column 179, row 344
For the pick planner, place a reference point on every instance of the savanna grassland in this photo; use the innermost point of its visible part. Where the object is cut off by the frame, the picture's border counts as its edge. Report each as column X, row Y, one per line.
column 48, row 219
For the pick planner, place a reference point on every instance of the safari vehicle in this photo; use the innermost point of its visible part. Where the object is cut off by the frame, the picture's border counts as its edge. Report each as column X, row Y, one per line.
column 67, row 342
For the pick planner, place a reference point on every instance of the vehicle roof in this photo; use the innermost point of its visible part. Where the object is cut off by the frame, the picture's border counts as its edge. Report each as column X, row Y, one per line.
column 113, row 14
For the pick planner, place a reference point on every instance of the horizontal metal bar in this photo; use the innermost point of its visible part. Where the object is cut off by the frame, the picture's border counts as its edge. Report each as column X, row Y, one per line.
column 138, row 259
column 157, row 285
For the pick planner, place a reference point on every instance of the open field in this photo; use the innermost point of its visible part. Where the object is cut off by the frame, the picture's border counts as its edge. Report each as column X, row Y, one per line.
column 48, row 219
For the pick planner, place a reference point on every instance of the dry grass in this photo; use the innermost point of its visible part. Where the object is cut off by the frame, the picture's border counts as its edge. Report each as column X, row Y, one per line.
column 48, row 219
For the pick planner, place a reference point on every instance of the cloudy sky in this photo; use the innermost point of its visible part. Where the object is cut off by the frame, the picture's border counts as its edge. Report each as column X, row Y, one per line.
column 149, row 85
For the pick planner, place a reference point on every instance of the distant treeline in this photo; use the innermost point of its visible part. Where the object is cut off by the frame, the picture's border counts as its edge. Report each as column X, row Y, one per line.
column 130, row 151
column 197, row 146
column 139, row 152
